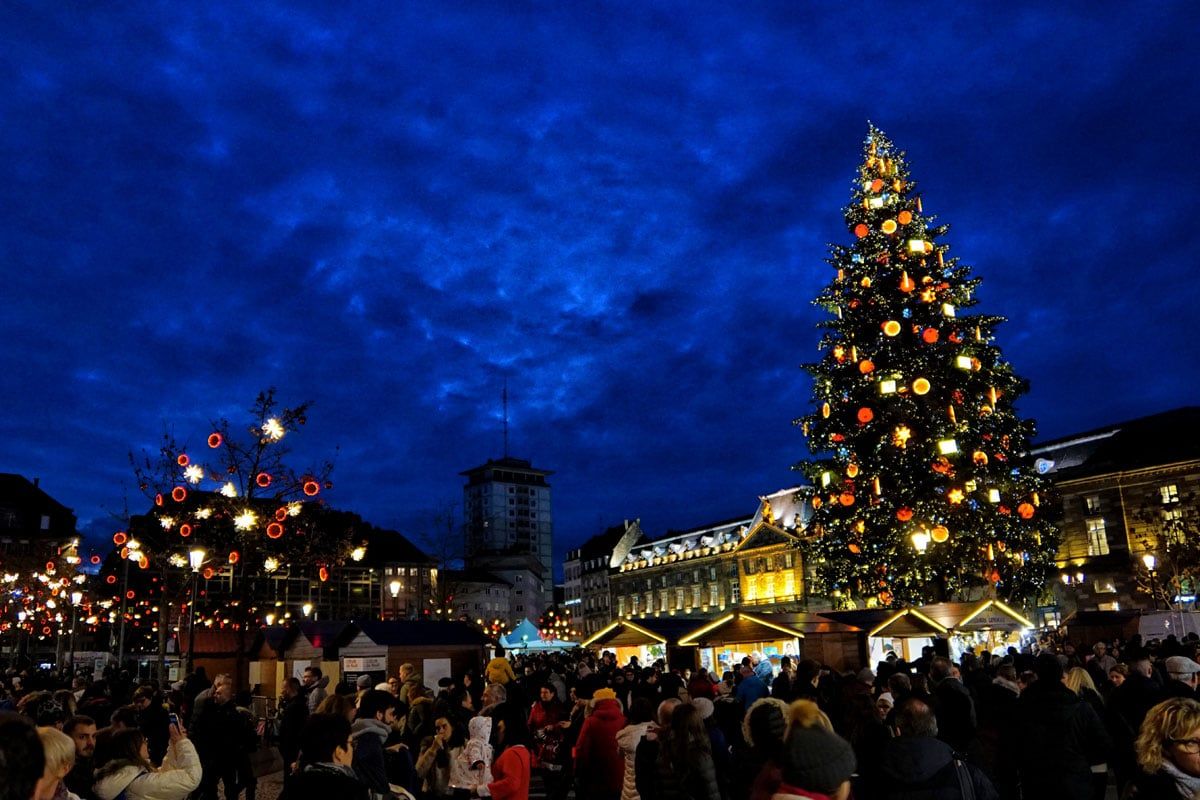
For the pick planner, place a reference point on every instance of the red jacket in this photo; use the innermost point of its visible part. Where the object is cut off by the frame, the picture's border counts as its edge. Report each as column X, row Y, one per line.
column 510, row 775
column 598, row 760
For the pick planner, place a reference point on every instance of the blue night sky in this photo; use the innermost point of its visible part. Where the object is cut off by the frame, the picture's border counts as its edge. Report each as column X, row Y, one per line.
column 621, row 208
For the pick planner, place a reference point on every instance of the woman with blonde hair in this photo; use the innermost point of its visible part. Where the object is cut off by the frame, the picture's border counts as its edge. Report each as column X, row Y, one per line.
column 60, row 757
column 1168, row 751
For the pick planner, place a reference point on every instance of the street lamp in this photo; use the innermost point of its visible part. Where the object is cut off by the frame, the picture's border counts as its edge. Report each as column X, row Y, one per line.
column 133, row 552
column 76, row 599
column 1150, row 561
column 307, row 608
column 394, row 588
column 195, row 560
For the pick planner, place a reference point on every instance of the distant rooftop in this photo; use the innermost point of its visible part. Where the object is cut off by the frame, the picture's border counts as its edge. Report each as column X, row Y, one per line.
column 1166, row 438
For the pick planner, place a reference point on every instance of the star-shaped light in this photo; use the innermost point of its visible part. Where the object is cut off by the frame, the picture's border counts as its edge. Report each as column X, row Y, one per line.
column 166, row 522
column 245, row 520
column 955, row 496
column 229, row 490
column 193, row 473
column 294, row 508
column 270, row 564
column 273, row 430
column 901, row 435
column 204, row 513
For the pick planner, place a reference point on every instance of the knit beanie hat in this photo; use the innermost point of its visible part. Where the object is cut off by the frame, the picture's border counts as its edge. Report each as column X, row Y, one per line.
column 704, row 707
column 602, row 694
column 765, row 724
column 817, row 760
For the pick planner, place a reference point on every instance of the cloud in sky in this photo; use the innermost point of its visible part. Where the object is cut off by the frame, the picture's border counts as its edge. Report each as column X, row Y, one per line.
column 620, row 208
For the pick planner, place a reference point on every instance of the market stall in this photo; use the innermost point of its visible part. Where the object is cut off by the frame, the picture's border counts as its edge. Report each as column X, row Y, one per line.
column 982, row 625
column 437, row 649
column 901, row 631
column 722, row 643
column 647, row 639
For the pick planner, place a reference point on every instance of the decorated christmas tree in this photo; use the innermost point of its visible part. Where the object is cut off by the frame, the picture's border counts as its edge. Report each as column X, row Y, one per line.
column 923, row 490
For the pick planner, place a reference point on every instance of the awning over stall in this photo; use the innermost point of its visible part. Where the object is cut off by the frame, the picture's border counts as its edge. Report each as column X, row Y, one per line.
column 741, row 628
column 643, row 633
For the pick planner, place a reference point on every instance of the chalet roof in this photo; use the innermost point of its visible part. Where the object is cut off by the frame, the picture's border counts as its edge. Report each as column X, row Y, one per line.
column 633, row 633
column 1166, row 438
column 422, row 632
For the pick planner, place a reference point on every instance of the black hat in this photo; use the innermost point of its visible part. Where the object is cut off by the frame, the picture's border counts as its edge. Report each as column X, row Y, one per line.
column 817, row 760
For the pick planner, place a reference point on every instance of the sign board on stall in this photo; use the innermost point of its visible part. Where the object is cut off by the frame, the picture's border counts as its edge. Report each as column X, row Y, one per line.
column 435, row 669
column 364, row 664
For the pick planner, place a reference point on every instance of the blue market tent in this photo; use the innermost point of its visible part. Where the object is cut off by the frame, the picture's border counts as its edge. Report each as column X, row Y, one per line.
column 526, row 637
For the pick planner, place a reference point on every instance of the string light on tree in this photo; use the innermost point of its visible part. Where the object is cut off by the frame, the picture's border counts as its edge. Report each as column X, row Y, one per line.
column 931, row 424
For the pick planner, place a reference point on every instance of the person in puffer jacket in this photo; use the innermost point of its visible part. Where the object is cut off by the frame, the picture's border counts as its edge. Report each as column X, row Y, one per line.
column 599, row 766
column 376, row 713
column 641, row 716
column 130, row 770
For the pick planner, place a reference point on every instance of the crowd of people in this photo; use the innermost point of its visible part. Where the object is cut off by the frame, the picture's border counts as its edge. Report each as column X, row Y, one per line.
column 1051, row 720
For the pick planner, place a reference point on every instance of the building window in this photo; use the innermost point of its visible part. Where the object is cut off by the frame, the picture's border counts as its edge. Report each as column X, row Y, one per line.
column 1170, row 493
column 1173, row 525
column 1097, row 540
column 714, row 595
column 662, row 600
column 748, row 566
column 695, row 596
column 735, row 592
column 678, row 599
column 1092, row 503
column 712, row 573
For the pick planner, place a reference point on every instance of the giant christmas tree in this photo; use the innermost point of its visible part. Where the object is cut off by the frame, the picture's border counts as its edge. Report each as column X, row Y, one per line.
column 923, row 491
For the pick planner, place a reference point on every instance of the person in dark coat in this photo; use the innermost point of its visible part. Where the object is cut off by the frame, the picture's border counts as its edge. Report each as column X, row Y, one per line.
column 1181, row 677
column 293, row 713
column 326, row 755
column 684, row 769
column 1059, row 738
column 217, row 734
column 953, row 706
column 1127, row 707
column 916, row 765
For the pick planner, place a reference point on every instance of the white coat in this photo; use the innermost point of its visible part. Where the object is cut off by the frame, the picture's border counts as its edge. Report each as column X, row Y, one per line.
column 177, row 778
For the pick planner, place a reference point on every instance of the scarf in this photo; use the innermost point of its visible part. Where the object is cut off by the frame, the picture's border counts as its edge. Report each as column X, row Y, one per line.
column 1188, row 785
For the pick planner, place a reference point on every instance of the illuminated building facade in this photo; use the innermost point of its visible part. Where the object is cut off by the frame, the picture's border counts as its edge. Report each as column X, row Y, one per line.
column 747, row 563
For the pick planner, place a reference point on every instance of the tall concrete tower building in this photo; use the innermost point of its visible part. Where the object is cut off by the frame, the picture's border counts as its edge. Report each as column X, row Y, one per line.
column 506, row 506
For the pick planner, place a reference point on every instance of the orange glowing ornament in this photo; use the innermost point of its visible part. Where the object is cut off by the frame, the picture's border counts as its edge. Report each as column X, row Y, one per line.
column 182, row 460
column 907, row 284
column 929, row 335
column 179, row 494
column 866, row 366
column 119, row 538
column 920, row 386
column 940, row 533
column 891, row 328
column 865, row 415
column 846, row 498
column 274, row 530
column 888, row 226
column 904, row 514
column 1025, row 511
column 263, row 479
column 852, row 470
column 214, row 440
column 904, row 217
column 311, row 488
column 854, row 548
column 861, row 230
column 185, row 530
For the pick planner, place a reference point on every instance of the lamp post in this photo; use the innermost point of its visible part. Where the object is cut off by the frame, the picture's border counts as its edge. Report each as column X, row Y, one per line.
column 1150, row 561
column 76, row 599
column 132, row 553
column 195, row 560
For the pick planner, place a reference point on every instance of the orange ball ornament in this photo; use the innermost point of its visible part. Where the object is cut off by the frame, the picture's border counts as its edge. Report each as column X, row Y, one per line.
column 214, row 440
column 904, row 514
column 1025, row 511
column 846, row 498
column 888, row 226
column 891, row 328
column 904, row 217
column 861, row 230
column 939, row 534
column 877, row 185
column 920, row 386
column 885, row 597
column 865, row 415
column 853, row 547
column 929, row 335
column 852, row 470
column 866, row 366
column 182, row 460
